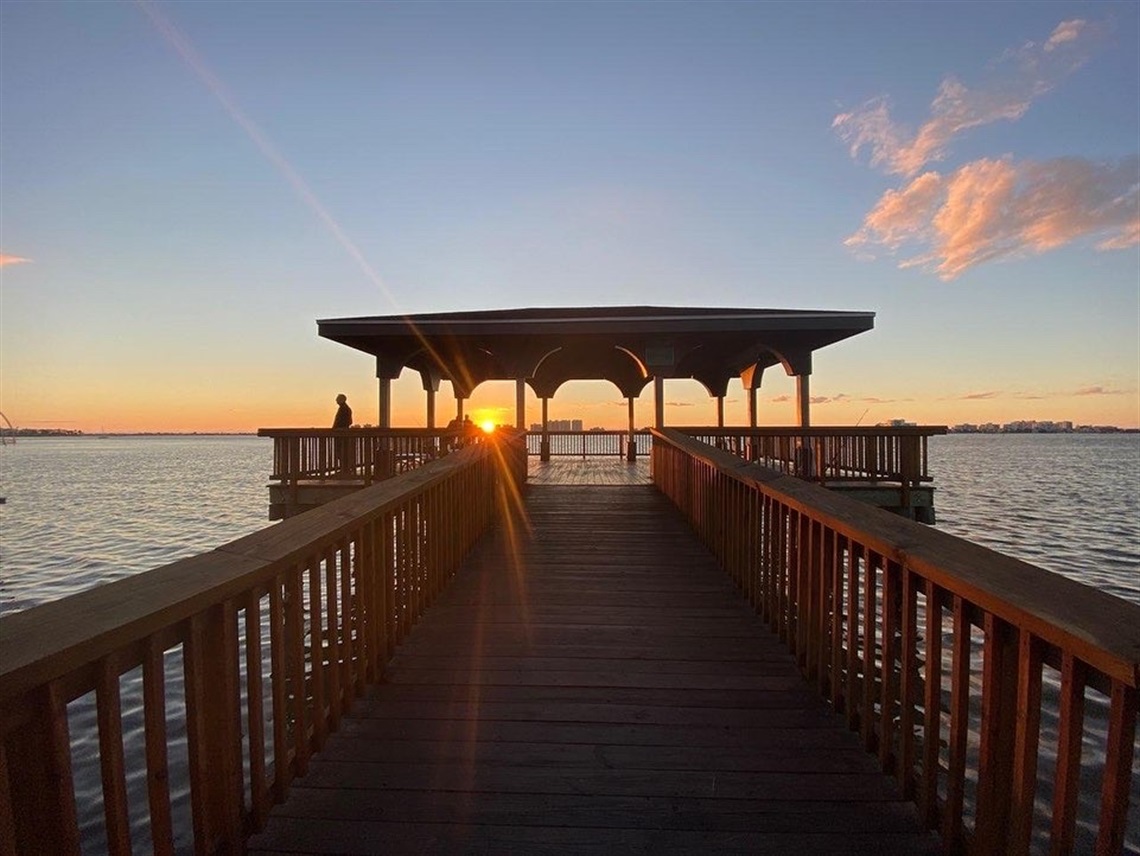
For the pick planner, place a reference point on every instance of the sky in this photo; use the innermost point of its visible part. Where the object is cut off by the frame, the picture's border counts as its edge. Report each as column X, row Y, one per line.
column 185, row 188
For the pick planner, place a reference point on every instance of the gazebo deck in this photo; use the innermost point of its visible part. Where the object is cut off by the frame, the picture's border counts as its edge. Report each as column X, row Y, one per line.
column 593, row 685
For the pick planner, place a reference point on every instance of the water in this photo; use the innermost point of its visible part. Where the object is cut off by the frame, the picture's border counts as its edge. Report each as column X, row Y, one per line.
column 1069, row 503
column 83, row 511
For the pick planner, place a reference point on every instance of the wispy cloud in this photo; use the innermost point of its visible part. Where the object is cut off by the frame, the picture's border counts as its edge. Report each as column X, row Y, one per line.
column 991, row 208
column 1015, row 82
column 1097, row 390
column 979, row 396
column 6, row 260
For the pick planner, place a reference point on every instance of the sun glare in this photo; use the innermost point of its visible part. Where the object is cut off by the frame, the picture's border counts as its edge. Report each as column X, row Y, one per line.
column 488, row 425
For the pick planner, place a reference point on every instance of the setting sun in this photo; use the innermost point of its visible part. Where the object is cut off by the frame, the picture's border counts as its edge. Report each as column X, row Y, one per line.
column 488, row 425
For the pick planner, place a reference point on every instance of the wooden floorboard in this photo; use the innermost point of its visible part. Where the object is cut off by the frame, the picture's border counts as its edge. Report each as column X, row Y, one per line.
column 597, row 687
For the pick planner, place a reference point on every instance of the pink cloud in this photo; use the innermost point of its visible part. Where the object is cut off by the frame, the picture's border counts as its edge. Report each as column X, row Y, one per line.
column 780, row 398
column 1066, row 31
column 1021, row 77
column 990, row 209
column 6, row 260
column 979, row 396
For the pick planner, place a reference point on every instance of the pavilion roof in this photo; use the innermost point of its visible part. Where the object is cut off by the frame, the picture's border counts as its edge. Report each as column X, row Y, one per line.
column 628, row 345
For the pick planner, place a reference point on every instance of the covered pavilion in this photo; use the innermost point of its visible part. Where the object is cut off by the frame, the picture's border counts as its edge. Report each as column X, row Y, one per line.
column 626, row 345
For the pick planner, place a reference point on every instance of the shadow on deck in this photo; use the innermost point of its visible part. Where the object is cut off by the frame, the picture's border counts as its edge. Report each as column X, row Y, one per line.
column 595, row 686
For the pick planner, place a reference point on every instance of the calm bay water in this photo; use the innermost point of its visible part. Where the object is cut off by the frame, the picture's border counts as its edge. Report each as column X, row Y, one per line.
column 83, row 511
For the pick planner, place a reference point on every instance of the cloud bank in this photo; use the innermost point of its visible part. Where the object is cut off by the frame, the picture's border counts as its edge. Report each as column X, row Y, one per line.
column 991, row 208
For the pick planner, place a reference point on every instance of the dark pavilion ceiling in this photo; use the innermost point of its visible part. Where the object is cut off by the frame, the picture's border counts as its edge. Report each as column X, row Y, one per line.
column 626, row 345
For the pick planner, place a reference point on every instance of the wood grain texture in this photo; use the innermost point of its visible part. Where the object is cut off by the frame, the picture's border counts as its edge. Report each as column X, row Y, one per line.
column 594, row 685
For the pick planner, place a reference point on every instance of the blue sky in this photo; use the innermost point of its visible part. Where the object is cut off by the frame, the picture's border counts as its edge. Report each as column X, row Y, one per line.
column 186, row 187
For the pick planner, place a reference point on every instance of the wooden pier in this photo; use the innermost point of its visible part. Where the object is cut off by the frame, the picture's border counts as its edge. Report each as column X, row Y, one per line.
column 593, row 683
column 731, row 659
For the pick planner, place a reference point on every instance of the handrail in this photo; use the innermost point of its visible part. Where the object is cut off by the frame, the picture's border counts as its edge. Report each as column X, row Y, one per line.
column 312, row 607
column 594, row 443
column 365, row 454
column 863, row 599
column 832, row 454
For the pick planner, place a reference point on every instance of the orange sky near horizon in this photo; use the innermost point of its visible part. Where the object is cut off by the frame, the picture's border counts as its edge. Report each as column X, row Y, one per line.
column 204, row 407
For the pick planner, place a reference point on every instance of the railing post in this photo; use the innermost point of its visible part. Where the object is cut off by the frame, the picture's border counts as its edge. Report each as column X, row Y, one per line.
column 213, row 731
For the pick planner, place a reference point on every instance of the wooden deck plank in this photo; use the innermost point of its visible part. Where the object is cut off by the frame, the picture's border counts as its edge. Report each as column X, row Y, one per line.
column 598, row 688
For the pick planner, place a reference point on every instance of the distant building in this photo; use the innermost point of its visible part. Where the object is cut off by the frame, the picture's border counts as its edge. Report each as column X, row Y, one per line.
column 558, row 425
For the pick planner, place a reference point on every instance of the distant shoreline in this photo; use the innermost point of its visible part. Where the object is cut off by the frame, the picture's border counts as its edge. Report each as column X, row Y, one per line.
column 69, row 432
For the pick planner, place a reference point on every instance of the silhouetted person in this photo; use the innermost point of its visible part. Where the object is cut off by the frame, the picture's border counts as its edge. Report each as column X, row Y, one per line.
column 343, row 417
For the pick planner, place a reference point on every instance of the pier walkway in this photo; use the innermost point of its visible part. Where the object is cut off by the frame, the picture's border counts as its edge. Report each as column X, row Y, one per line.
column 593, row 683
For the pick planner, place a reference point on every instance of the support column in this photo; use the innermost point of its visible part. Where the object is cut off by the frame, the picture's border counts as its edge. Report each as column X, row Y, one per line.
column 430, row 409
column 544, row 447
column 520, row 403
column 803, row 400
column 384, row 419
column 720, row 411
column 631, row 452
column 459, row 408
column 659, row 402
column 751, row 408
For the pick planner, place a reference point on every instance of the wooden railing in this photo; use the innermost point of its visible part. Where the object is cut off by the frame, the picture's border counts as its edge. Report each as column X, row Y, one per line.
column 583, row 444
column 889, row 618
column 368, row 454
column 831, row 454
column 276, row 634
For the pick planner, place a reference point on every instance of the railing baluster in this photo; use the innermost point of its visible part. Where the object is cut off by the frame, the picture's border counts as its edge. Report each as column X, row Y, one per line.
column 854, row 685
column 255, row 710
column 108, row 707
column 932, row 706
column 351, row 617
column 295, row 669
column 1069, row 737
column 839, row 548
column 998, row 729
column 890, row 629
column 317, row 669
column 867, row 709
column 1026, row 741
column 1117, row 770
column 282, row 768
column 908, row 684
column 952, row 829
